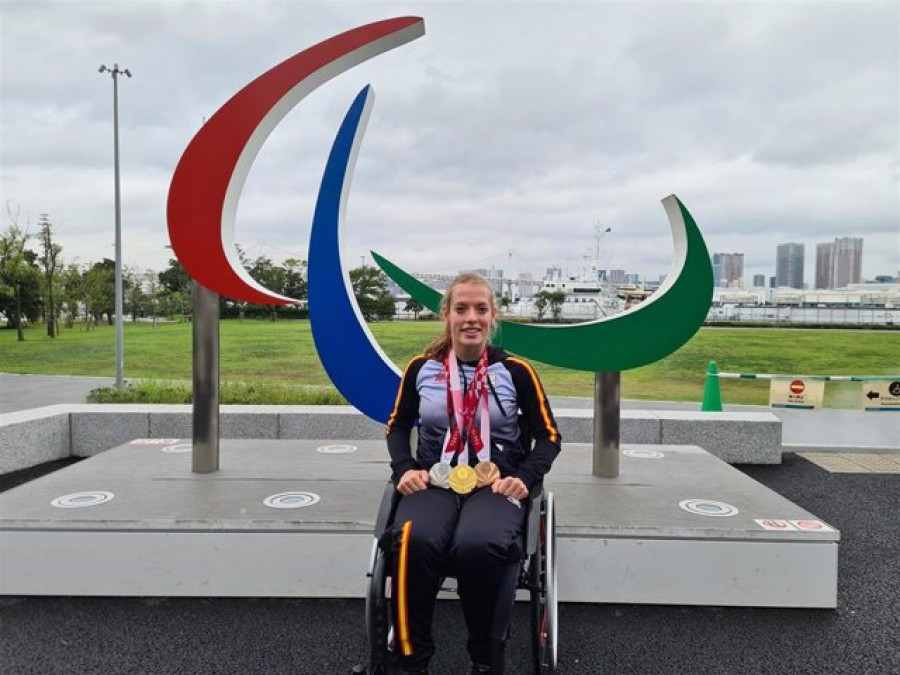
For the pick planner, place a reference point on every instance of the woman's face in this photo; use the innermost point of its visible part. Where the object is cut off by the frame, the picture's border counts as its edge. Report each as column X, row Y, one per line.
column 470, row 317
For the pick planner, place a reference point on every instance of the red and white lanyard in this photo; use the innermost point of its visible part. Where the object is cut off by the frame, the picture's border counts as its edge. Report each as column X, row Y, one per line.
column 461, row 410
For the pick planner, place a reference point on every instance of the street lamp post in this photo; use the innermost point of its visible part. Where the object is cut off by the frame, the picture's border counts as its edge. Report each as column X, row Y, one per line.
column 120, row 356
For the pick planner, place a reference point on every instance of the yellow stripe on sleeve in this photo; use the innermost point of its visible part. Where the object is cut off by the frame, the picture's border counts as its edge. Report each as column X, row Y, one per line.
column 542, row 397
column 393, row 416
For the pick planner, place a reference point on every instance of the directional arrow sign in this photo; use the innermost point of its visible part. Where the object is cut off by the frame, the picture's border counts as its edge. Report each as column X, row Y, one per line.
column 881, row 395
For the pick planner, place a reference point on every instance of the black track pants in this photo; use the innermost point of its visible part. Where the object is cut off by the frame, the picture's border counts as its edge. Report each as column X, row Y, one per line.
column 477, row 539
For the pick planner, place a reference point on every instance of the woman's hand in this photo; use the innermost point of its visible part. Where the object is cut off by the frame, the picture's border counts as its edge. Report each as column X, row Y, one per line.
column 414, row 480
column 510, row 487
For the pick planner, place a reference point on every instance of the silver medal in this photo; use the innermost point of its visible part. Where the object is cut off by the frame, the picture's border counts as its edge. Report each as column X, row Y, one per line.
column 439, row 476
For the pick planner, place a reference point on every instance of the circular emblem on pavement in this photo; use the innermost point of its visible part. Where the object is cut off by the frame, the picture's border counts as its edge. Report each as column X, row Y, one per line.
column 79, row 500
column 291, row 500
column 153, row 441
column 177, row 448
column 706, row 507
column 640, row 453
column 336, row 449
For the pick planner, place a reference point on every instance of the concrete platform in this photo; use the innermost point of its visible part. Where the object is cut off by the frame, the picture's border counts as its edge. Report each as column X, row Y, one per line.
column 162, row 531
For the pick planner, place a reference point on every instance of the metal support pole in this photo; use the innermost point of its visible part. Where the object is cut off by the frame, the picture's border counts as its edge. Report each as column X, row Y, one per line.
column 120, row 349
column 205, row 453
column 607, row 408
column 119, row 294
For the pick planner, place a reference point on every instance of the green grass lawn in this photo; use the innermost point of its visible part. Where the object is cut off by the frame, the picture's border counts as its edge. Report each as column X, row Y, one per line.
column 283, row 353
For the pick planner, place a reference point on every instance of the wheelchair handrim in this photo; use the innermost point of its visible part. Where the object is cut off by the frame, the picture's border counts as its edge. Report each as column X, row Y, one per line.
column 552, row 602
column 549, row 630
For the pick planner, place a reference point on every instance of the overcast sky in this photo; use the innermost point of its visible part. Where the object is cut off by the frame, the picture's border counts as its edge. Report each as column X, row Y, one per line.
column 509, row 127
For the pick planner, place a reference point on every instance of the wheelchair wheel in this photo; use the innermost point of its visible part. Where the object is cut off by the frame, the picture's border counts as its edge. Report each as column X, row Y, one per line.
column 379, row 619
column 542, row 579
column 550, row 627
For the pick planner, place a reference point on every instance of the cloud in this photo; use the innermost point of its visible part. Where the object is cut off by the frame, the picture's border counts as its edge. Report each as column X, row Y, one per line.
column 509, row 126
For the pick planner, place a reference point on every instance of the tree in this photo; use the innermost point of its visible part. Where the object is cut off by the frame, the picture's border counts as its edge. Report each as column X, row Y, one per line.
column 71, row 292
column 372, row 296
column 175, row 296
column 174, row 279
column 541, row 302
column 295, row 278
column 556, row 299
column 153, row 290
column 135, row 298
column 175, row 305
column 414, row 306
column 271, row 276
column 19, row 276
column 50, row 251
column 552, row 300
column 100, row 291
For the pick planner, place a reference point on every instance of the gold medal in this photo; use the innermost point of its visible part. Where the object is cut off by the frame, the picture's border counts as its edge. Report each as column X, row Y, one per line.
column 462, row 479
column 439, row 475
column 486, row 473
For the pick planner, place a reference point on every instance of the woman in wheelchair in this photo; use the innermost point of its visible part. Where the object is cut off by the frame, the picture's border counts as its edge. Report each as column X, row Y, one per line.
column 462, row 511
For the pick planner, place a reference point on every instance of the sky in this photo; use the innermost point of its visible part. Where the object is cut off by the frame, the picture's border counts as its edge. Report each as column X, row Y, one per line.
column 501, row 138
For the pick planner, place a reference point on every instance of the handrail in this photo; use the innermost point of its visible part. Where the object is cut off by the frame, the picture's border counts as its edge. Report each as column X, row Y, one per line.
column 832, row 378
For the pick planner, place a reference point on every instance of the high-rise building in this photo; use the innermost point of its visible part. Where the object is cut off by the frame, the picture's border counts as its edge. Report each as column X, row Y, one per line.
column 825, row 265
column 759, row 281
column 847, row 261
column 789, row 265
column 617, row 276
column 492, row 273
column 554, row 272
column 728, row 269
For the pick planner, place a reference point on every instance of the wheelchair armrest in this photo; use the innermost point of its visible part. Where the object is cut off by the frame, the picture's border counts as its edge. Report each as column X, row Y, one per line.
column 389, row 500
column 533, row 518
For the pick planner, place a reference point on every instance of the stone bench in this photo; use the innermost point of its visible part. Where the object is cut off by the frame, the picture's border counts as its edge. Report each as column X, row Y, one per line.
column 32, row 437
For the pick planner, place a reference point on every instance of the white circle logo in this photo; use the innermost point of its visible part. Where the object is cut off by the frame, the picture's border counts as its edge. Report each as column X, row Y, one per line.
column 291, row 500
column 638, row 453
column 706, row 507
column 336, row 449
column 81, row 499
column 178, row 448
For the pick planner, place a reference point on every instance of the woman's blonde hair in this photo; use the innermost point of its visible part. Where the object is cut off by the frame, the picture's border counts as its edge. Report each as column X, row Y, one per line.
column 437, row 350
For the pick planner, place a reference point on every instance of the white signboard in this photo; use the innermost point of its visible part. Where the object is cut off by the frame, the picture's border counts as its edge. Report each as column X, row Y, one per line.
column 797, row 393
column 879, row 395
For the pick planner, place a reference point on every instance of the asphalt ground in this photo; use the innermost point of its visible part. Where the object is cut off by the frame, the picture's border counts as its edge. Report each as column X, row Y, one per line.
column 49, row 635
column 22, row 392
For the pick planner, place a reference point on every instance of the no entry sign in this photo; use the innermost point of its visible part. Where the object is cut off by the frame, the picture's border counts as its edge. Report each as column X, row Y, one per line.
column 797, row 393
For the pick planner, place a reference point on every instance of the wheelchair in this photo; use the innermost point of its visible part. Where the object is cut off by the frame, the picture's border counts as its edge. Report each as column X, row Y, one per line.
column 537, row 577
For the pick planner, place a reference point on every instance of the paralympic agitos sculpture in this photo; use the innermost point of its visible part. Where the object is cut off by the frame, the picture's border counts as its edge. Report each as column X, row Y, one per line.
column 209, row 178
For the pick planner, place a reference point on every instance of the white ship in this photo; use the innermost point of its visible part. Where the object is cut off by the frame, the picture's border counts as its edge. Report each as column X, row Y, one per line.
column 589, row 295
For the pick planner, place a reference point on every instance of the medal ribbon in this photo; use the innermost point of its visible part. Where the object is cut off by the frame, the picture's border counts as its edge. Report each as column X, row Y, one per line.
column 461, row 413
